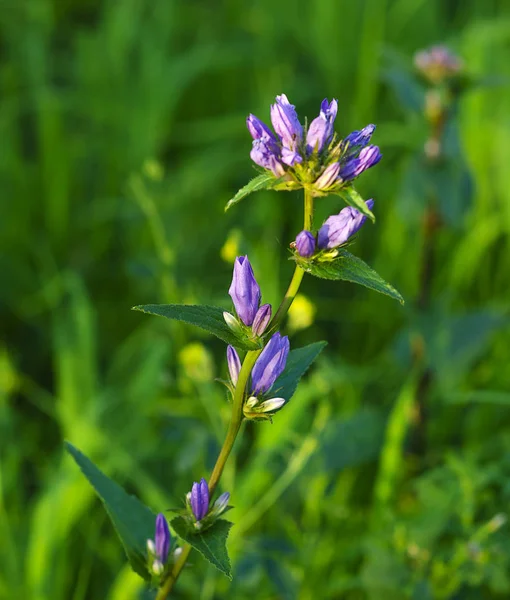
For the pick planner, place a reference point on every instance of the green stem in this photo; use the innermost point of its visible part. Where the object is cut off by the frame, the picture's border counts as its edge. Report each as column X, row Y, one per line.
column 238, row 401
column 297, row 277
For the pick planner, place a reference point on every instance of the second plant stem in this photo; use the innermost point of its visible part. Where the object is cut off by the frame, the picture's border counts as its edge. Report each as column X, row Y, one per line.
column 238, row 401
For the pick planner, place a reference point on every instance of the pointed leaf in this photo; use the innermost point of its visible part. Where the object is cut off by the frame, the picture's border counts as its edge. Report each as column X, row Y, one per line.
column 209, row 318
column 261, row 182
column 211, row 543
column 133, row 521
column 298, row 362
column 352, row 198
column 348, row 267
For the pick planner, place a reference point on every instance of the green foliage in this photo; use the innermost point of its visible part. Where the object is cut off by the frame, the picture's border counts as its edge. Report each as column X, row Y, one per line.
column 211, row 543
column 123, row 136
column 348, row 267
column 298, row 363
column 133, row 521
column 352, row 198
column 263, row 181
column 209, row 318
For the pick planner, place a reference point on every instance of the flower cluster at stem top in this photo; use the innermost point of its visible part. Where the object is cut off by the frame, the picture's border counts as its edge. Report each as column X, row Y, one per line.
column 314, row 158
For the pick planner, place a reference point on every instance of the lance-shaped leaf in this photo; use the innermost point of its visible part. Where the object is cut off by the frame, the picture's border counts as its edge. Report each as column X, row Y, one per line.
column 133, row 521
column 348, row 267
column 211, row 543
column 298, row 362
column 352, row 198
column 209, row 318
column 261, row 182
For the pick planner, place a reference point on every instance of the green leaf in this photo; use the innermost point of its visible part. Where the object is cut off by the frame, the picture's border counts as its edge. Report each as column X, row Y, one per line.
column 209, row 318
column 261, row 182
column 211, row 543
column 352, row 198
column 351, row 268
column 298, row 362
column 133, row 521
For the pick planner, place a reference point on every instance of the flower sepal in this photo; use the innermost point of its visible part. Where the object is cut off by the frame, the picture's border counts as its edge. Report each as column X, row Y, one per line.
column 242, row 332
column 256, row 409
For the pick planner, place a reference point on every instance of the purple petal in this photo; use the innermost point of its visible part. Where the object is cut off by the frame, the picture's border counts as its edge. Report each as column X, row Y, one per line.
column 305, row 244
column 244, row 290
column 270, row 364
column 162, row 538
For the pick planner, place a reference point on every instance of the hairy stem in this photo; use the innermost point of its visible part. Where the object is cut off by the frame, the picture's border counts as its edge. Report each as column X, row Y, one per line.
column 238, row 401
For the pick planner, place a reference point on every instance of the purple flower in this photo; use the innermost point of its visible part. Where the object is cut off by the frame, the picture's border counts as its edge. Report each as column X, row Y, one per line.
column 320, row 131
column 270, row 364
column 259, row 129
column 234, row 364
column 291, row 157
column 199, row 499
column 261, row 320
column 265, row 153
column 339, row 228
column 244, row 290
column 305, row 244
column 328, row 177
column 162, row 538
column 360, row 138
column 368, row 157
column 286, row 123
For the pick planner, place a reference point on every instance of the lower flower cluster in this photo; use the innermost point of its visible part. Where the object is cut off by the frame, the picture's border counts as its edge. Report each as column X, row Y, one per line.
column 335, row 232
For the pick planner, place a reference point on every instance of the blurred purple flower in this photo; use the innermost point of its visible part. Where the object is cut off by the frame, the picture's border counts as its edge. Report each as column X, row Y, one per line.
column 339, row 228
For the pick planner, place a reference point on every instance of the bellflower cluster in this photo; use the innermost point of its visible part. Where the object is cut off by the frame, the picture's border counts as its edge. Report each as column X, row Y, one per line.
column 335, row 232
column 268, row 367
column 159, row 548
column 315, row 158
column 198, row 501
column 245, row 293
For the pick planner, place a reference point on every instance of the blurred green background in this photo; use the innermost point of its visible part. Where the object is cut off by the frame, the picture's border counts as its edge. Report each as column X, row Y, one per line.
column 122, row 136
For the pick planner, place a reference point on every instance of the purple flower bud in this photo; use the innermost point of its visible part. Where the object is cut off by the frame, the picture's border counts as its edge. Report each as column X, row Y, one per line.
column 360, row 138
column 261, row 320
column 199, row 499
column 265, row 153
column 258, row 129
column 291, row 157
column 305, row 244
column 244, row 290
column 339, row 228
column 270, row 364
column 286, row 123
column 320, row 131
column 162, row 538
column 368, row 157
column 234, row 364
column 221, row 503
column 328, row 177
